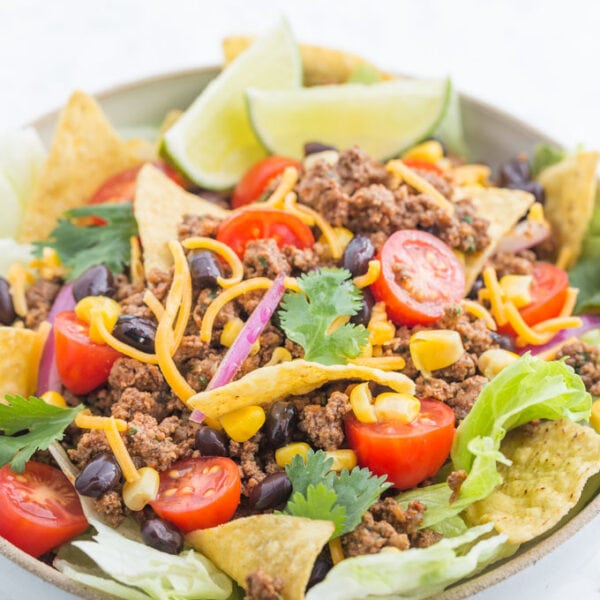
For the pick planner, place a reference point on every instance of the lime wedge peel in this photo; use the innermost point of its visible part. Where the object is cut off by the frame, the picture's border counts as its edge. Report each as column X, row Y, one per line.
column 213, row 142
column 382, row 118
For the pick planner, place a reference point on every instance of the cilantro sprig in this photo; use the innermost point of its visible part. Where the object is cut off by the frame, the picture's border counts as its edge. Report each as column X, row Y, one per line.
column 44, row 423
column 80, row 247
column 319, row 493
column 307, row 317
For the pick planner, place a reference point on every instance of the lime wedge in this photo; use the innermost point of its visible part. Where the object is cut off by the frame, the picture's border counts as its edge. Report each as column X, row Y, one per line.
column 382, row 118
column 213, row 142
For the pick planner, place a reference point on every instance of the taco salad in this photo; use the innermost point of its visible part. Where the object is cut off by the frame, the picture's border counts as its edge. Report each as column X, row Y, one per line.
column 298, row 345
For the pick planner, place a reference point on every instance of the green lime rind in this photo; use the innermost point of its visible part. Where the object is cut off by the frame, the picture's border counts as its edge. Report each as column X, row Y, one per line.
column 382, row 118
column 213, row 142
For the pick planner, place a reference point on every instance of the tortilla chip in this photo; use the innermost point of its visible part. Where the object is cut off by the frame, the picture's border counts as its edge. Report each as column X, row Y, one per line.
column 86, row 151
column 503, row 209
column 570, row 187
column 550, row 468
column 282, row 546
column 21, row 351
column 320, row 65
column 292, row 378
column 159, row 208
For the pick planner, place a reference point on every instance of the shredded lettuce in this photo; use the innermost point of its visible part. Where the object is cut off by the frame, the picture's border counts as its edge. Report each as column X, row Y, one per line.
column 415, row 573
column 528, row 389
column 544, row 156
column 138, row 572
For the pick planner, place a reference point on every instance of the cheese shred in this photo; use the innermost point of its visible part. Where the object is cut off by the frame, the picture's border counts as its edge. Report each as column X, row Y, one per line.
column 370, row 276
column 497, row 306
column 225, row 252
column 479, row 311
column 119, row 346
column 117, row 445
column 153, row 303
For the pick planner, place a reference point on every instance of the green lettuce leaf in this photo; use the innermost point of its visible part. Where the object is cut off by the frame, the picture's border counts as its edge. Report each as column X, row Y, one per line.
column 528, row 389
column 415, row 573
column 138, row 572
column 544, row 156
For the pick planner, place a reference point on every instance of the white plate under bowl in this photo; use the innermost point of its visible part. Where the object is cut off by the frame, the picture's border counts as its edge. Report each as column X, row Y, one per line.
column 492, row 136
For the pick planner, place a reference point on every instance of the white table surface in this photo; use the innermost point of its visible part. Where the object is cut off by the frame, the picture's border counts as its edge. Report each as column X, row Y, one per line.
column 537, row 59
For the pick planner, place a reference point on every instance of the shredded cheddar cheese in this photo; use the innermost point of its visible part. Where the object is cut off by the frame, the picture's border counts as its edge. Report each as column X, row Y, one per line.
column 108, row 338
column 335, row 548
column 225, row 252
column 153, row 303
column 286, row 185
column 185, row 304
column 526, row 335
column 556, row 324
column 117, row 445
column 406, row 174
column 495, row 291
column 479, row 311
column 136, row 267
column 19, row 278
column 570, row 300
column 86, row 420
column 370, row 276
column 385, row 363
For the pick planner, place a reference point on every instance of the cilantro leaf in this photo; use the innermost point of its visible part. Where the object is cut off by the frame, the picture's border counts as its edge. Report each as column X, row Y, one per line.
column 320, row 503
column 318, row 493
column 80, row 247
column 308, row 317
column 46, row 424
column 357, row 490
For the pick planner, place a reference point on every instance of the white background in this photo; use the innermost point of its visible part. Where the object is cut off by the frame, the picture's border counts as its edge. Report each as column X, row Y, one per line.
column 536, row 59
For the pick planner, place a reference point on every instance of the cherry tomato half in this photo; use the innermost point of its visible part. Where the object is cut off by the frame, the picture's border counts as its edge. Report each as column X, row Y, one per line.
column 548, row 295
column 250, row 224
column 419, row 277
column 82, row 364
column 406, row 453
column 254, row 182
column 196, row 493
column 40, row 508
column 422, row 165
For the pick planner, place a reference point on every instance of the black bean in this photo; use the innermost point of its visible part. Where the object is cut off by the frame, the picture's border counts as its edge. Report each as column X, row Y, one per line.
column 272, row 491
column 98, row 476
column 280, row 424
column 95, row 281
column 357, row 255
column 363, row 316
column 138, row 332
column 204, row 269
column 514, row 171
column 7, row 309
column 533, row 187
column 475, row 288
column 162, row 535
column 314, row 147
column 211, row 442
column 320, row 570
column 506, row 342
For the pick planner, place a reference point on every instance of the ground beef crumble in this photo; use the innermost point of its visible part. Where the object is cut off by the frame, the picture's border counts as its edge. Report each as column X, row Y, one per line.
column 386, row 523
column 260, row 586
column 324, row 425
column 585, row 360
column 40, row 296
column 455, row 481
column 507, row 263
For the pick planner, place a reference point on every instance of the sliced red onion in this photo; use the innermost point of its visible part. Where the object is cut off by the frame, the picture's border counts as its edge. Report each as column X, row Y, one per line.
column 587, row 322
column 523, row 235
column 197, row 416
column 48, row 379
column 241, row 347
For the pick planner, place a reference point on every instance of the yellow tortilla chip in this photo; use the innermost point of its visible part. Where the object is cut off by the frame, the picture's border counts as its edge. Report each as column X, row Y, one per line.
column 21, row 350
column 292, row 378
column 570, row 187
column 550, row 468
column 283, row 546
column 320, row 65
column 503, row 209
column 159, row 208
column 85, row 152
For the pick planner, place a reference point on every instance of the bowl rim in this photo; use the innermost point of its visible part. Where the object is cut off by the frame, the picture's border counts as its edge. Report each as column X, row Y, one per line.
column 472, row 586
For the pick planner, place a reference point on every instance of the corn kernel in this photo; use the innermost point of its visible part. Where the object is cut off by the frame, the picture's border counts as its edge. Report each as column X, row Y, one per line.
column 595, row 416
column 361, row 401
column 517, row 289
column 230, row 332
column 435, row 349
column 280, row 354
column 90, row 308
column 54, row 398
column 536, row 213
column 342, row 459
column 241, row 424
column 393, row 406
column 494, row 360
column 284, row 455
column 431, row 151
column 138, row 493
column 381, row 329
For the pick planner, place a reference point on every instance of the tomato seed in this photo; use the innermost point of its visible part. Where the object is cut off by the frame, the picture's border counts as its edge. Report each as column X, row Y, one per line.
column 169, row 492
column 214, row 469
column 188, row 490
column 174, row 474
column 209, row 492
